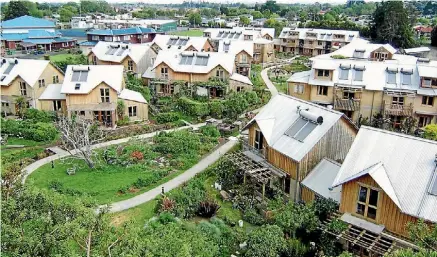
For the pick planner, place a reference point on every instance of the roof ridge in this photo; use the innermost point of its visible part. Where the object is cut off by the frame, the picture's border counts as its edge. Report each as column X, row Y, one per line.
column 312, row 104
column 399, row 134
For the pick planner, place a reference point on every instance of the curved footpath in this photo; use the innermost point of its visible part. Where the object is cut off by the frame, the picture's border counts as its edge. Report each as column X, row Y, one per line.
column 264, row 75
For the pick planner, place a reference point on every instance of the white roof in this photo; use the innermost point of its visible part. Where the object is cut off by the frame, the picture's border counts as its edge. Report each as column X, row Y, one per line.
column 402, row 165
column 240, row 78
column 163, row 42
column 173, row 59
column 322, row 34
column 131, row 95
column 112, row 75
column 52, row 92
column 281, row 113
column 149, row 73
column 321, row 177
column 29, row 70
column 236, row 46
column 417, row 50
column 239, row 32
column 429, row 71
column 262, row 41
column 300, row 77
column 361, row 45
column 119, row 51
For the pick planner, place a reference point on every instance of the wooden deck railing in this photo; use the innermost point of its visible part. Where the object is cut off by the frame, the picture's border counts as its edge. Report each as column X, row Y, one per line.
column 347, row 104
column 398, row 110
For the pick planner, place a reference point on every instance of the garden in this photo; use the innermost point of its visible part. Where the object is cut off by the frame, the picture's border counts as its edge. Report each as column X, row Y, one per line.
column 280, row 75
column 122, row 171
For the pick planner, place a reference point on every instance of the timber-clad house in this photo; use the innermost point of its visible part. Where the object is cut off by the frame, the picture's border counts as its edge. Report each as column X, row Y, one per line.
column 294, row 136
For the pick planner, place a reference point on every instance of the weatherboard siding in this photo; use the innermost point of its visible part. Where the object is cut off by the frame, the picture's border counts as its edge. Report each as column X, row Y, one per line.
column 92, row 97
column 142, row 110
column 388, row 214
column 307, row 195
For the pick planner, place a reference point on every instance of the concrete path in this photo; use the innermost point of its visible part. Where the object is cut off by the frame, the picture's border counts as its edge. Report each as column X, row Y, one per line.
column 175, row 182
column 33, row 166
column 57, row 150
column 265, row 76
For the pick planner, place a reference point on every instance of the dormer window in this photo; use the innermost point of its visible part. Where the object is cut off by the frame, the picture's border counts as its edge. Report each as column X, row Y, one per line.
column 323, row 73
column 406, row 76
column 381, row 56
column 391, row 75
column 367, row 204
column 359, row 72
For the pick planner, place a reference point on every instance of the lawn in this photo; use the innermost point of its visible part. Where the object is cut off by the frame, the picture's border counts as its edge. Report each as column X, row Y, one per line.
column 61, row 57
column 32, row 149
column 188, row 33
column 126, row 170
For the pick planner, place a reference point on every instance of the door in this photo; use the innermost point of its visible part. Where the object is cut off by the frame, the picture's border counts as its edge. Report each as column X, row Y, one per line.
column 259, row 138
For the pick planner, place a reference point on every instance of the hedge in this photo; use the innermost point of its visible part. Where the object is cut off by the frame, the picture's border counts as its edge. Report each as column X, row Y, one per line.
column 39, row 116
column 193, row 108
column 39, row 131
column 167, row 117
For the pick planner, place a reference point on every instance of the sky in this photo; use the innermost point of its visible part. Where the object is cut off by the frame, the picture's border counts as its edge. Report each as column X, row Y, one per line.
column 216, row 1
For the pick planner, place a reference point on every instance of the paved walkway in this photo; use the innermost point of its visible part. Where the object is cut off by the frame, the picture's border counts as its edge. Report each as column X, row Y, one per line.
column 59, row 154
column 175, row 182
column 265, row 76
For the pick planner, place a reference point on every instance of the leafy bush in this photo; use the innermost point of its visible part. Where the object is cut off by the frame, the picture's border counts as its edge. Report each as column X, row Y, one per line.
column 235, row 105
column 431, row 132
column 296, row 217
column 193, row 108
column 266, row 241
column 177, row 143
column 294, row 248
column 216, row 108
column 37, row 131
column 75, row 60
column 253, row 217
column 136, row 84
column 207, row 209
column 167, row 117
column 39, row 116
column 226, row 172
column 124, row 121
column 324, row 207
column 210, row 131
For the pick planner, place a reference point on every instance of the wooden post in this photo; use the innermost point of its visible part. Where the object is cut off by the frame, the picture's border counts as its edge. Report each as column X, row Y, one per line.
column 264, row 190
column 244, row 178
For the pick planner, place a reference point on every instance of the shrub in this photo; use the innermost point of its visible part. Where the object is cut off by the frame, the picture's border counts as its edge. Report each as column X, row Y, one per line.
column 39, row 116
column 207, row 209
column 210, row 131
column 193, row 108
column 42, row 132
column 253, row 217
column 124, row 121
column 167, row 205
column 137, row 155
column 166, row 217
column 294, row 248
column 37, row 131
column 430, row 132
column 167, row 117
column 216, row 108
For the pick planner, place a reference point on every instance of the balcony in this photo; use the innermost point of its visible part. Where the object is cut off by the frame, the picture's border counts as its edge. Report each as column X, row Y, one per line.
column 347, row 104
column 397, row 109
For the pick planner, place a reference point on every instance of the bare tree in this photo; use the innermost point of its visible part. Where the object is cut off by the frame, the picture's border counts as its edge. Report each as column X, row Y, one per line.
column 78, row 135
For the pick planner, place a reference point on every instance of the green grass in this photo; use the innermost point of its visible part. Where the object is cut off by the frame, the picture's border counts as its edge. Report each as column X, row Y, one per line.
column 61, row 57
column 189, row 33
column 22, row 141
column 281, row 87
column 31, row 149
column 137, row 215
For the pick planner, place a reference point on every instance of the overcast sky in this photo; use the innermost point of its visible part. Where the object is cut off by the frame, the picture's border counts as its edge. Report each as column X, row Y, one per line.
column 216, row 1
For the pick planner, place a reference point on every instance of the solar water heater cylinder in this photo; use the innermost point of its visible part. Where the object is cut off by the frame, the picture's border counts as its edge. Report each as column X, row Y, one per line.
column 311, row 116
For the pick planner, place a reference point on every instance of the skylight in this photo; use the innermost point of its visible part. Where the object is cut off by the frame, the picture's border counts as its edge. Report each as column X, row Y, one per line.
column 77, row 86
column 79, row 76
column 202, row 60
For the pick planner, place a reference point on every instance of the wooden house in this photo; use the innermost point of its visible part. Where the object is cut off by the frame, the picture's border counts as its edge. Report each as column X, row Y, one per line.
column 388, row 180
column 26, row 78
column 294, row 136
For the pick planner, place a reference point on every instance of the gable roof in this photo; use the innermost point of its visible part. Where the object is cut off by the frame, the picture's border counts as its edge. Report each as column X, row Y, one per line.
column 112, row 75
column 20, row 67
column 27, row 22
column 359, row 44
column 321, row 34
column 124, row 31
column 172, row 59
column 121, row 51
column 52, row 92
column 281, row 113
column 181, row 43
column 403, row 166
column 131, row 95
column 235, row 47
column 239, row 32
column 240, row 78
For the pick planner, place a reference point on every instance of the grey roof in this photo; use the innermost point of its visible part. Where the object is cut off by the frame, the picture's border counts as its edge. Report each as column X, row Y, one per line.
column 321, row 177
column 281, row 113
column 402, row 165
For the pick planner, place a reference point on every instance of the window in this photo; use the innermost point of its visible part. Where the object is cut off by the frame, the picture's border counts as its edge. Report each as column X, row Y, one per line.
column 130, row 65
column 94, row 60
column 428, row 100
column 258, row 140
column 95, row 38
column 82, row 113
column 243, row 58
column 132, row 111
column 367, row 202
column 57, row 106
column 348, row 95
column 323, row 73
column 319, row 43
column 344, row 74
column 108, row 39
column 398, row 100
column 424, row 120
column 406, row 78
column 220, row 74
column 104, row 95
column 322, row 90
column 126, row 37
column 164, row 72
column 426, row 82
column 41, row 83
column 298, row 89
column 55, row 79
column 5, row 104
column 381, row 55
column 23, row 88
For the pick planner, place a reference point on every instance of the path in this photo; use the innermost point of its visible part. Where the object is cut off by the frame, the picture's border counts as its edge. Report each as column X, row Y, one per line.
column 59, row 154
column 175, row 182
column 264, row 75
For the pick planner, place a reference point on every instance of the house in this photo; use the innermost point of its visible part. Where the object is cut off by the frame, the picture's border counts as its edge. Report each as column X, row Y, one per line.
column 134, row 35
column 160, row 26
column 422, row 52
column 387, row 179
column 135, row 58
column 423, row 31
column 243, row 52
column 370, row 79
column 294, row 136
column 25, row 78
column 82, row 22
column 263, row 51
column 312, row 42
column 93, row 91
column 172, row 68
column 26, row 33
column 180, row 43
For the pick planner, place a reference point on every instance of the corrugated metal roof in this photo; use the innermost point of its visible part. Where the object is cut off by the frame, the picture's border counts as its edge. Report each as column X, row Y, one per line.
column 117, row 32
column 402, row 165
column 131, row 95
column 280, row 114
column 321, row 177
column 40, row 33
column 13, row 36
column 135, row 51
column 162, row 41
column 322, row 34
column 52, row 92
column 30, row 75
column 72, row 32
column 240, row 78
column 27, row 22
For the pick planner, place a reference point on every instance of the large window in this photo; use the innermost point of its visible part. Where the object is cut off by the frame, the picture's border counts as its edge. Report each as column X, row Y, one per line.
column 23, row 88
column 220, row 74
column 104, row 95
column 57, row 106
column 259, row 138
column 55, row 79
column 130, row 65
column 322, row 90
column 164, row 72
column 243, row 58
column 323, row 73
column 348, row 95
column 428, row 100
column 41, row 83
column 398, row 100
column 367, row 204
column 299, row 89
column 424, row 120
column 132, row 111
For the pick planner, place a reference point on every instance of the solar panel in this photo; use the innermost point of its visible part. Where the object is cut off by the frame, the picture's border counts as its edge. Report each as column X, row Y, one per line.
column 305, row 131
column 230, row 35
column 83, row 76
column 9, row 68
column 358, row 75
column 189, row 60
column 406, row 79
column 297, row 125
column 109, row 50
column 433, row 186
column 344, row 74
column 76, row 75
column 236, row 36
column 226, row 47
column 184, row 42
column 183, row 59
column 120, row 52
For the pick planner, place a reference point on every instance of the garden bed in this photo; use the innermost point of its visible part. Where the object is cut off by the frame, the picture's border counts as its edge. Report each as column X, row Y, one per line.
column 125, row 170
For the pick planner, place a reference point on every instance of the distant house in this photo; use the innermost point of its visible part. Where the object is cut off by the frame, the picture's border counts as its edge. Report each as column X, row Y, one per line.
column 180, row 43
column 26, row 33
column 26, row 78
column 243, row 52
column 423, row 31
column 134, row 35
column 135, row 58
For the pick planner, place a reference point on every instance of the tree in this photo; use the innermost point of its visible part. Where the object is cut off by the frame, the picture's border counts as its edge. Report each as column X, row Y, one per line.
column 244, row 20
column 294, row 217
column 434, row 36
column 16, row 9
column 77, row 136
column 121, row 106
column 267, row 241
column 391, row 25
column 21, row 104
column 271, row 5
column 277, row 25
column 67, row 12
column 257, row 14
column 195, row 19
column 431, row 132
